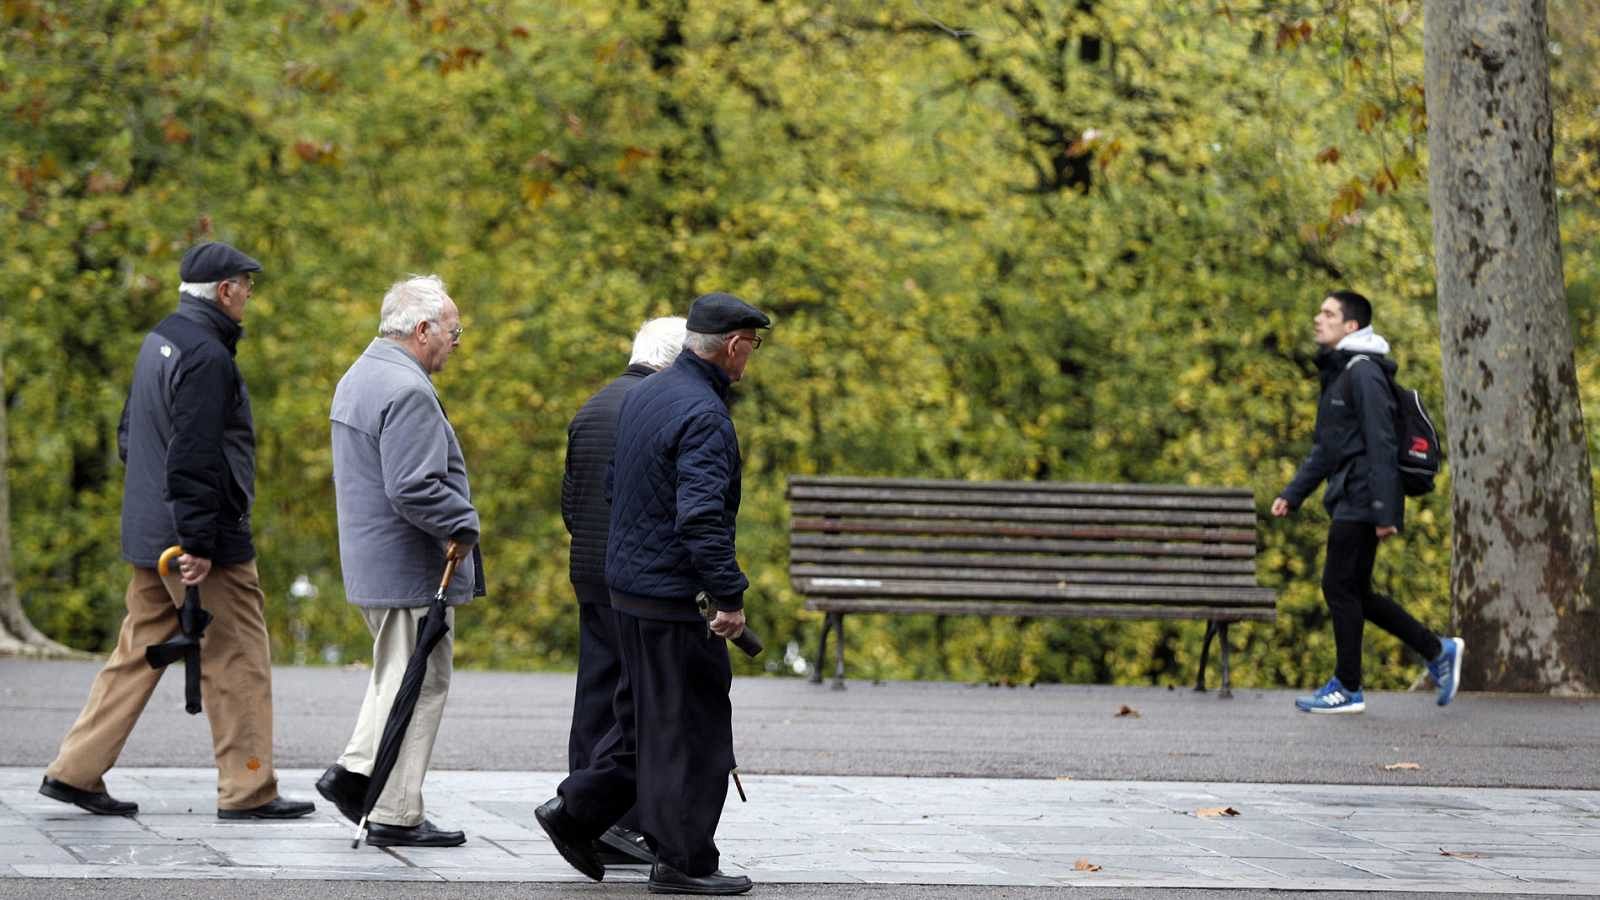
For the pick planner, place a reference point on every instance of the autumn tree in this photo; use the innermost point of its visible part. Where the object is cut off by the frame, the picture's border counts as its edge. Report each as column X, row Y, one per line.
column 1524, row 576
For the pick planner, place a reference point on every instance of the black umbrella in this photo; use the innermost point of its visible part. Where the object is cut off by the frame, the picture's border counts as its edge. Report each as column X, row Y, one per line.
column 192, row 622
column 429, row 633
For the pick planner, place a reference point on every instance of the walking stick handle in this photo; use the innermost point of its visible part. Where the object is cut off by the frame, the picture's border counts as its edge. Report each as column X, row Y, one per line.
column 167, row 556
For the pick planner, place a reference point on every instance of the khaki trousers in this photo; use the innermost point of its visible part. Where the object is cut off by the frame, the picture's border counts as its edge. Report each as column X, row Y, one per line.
column 235, row 685
column 394, row 636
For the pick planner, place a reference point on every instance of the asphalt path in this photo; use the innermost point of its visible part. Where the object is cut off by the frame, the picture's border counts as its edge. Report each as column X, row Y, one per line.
column 514, row 721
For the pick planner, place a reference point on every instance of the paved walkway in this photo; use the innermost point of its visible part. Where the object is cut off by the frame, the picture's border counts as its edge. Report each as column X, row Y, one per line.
column 873, row 830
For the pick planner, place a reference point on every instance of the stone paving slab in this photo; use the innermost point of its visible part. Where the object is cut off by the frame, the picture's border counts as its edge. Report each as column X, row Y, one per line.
column 871, row 830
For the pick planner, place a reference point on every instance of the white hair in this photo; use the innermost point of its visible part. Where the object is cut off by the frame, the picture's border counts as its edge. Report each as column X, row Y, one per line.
column 419, row 298
column 702, row 344
column 206, row 291
column 658, row 342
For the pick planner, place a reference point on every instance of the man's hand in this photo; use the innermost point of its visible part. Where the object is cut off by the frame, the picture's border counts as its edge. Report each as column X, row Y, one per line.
column 1385, row 531
column 1280, row 507
column 193, row 569
column 457, row 550
column 728, row 624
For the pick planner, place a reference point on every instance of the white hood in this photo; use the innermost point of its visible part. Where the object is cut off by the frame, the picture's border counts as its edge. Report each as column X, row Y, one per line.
column 1364, row 341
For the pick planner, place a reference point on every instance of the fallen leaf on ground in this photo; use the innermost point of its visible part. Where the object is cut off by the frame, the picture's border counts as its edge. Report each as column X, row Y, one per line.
column 1214, row 811
column 1063, row 777
column 1083, row 865
column 1402, row 766
column 1460, row 854
column 1128, row 711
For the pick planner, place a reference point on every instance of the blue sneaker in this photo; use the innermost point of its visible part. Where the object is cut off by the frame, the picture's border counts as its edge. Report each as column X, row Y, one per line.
column 1446, row 669
column 1332, row 698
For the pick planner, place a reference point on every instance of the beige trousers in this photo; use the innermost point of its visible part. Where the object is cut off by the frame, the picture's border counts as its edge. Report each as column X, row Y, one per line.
column 394, row 636
column 235, row 685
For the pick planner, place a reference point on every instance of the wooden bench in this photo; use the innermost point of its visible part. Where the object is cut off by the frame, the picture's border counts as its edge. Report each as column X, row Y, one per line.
column 1025, row 549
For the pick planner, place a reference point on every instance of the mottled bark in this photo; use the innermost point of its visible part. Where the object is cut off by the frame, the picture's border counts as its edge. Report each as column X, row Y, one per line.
column 1523, row 579
column 18, row 637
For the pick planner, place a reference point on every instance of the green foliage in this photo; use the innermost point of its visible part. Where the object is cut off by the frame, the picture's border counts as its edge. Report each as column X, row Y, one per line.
column 1063, row 240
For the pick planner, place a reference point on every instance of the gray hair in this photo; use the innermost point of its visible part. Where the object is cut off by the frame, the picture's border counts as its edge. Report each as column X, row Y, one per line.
column 419, row 298
column 658, row 342
column 206, row 291
column 702, row 344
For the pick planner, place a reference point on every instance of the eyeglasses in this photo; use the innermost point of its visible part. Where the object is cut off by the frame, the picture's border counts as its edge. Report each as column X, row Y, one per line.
column 455, row 333
column 755, row 341
column 247, row 282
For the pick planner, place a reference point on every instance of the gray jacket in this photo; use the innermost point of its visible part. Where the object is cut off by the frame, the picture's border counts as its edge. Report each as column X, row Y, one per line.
column 400, row 484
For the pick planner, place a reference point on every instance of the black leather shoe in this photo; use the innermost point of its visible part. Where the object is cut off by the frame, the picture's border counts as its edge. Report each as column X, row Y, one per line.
column 276, row 808
column 578, row 851
column 664, row 879
column 345, row 789
column 424, row 835
column 98, row 802
column 621, row 846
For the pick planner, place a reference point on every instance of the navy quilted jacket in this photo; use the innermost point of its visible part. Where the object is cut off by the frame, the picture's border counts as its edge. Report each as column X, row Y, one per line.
column 675, row 495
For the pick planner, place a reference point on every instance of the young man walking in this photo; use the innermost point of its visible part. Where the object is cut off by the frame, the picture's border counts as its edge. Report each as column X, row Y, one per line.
column 1354, row 450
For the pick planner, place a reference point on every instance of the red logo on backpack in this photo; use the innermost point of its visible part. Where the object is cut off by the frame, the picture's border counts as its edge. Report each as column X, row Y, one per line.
column 1419, row 445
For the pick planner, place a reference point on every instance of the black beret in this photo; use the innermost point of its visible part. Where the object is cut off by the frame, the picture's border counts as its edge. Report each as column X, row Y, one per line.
column 213, row 261
column 721, row 313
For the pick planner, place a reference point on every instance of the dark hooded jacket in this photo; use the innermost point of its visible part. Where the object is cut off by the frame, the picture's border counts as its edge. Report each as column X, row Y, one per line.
column 1353, row 445
column 591, row 439
column 189, row 442
column 675, row 495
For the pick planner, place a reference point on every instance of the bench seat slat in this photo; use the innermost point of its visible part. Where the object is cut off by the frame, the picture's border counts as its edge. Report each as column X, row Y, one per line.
column 1022, row 497
column 1013, row 514
column 1155, row 594
column 1002, row 545
column 1046, row 530
column 1040, row 610
column 938, row 561
column 1060, row 487
column 1023, row 576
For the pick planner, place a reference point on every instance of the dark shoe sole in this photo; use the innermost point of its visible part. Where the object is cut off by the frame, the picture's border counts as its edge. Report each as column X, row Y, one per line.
column 49, row 790
column 655, row 888
column 388, row 842
column 588, row 868
column 250, row 815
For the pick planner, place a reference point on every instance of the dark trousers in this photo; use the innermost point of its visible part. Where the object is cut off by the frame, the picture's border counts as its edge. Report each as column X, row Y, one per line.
column 1347, row 588
column 599, row 668
column 670, row 753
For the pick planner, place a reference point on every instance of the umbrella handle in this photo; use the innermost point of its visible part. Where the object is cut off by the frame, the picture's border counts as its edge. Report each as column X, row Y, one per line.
column 360, row 827
column 167, row 556
column 449, row 573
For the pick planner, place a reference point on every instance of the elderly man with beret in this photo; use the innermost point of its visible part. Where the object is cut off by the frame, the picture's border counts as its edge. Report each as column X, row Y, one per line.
column 188, row 440
column 675, row 499
column 404, row 507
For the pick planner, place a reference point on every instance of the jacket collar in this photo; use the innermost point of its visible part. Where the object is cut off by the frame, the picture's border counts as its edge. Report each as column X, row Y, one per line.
column 718, row 379
column 639, row 369
column 389, row 351
column 208, row 315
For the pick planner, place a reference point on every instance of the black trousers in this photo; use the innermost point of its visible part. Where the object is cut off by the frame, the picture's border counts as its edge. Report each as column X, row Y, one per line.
column 669, row 756
column 599, row 669
column 1347, row 589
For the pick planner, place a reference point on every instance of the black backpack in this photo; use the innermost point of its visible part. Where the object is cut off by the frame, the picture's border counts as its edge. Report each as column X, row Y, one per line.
column 1416, row 440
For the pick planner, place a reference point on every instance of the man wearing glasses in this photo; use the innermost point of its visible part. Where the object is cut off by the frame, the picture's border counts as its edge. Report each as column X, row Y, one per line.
column 188, row 440
column 404, row 505
column 675, row 498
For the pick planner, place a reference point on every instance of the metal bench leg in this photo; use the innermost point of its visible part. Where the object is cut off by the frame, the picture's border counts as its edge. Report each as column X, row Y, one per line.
column 838, row 650
column 822, row 649
column 1205, row 655
column 1227, row 679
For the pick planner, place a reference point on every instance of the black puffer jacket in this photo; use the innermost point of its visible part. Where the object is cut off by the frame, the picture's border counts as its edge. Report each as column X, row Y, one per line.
column 1353, row 446
column 591, row 439
column 189, row 442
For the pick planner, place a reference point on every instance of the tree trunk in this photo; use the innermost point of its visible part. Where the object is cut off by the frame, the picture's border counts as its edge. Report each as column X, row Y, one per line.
column 1523, row 580
column 18, row 637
